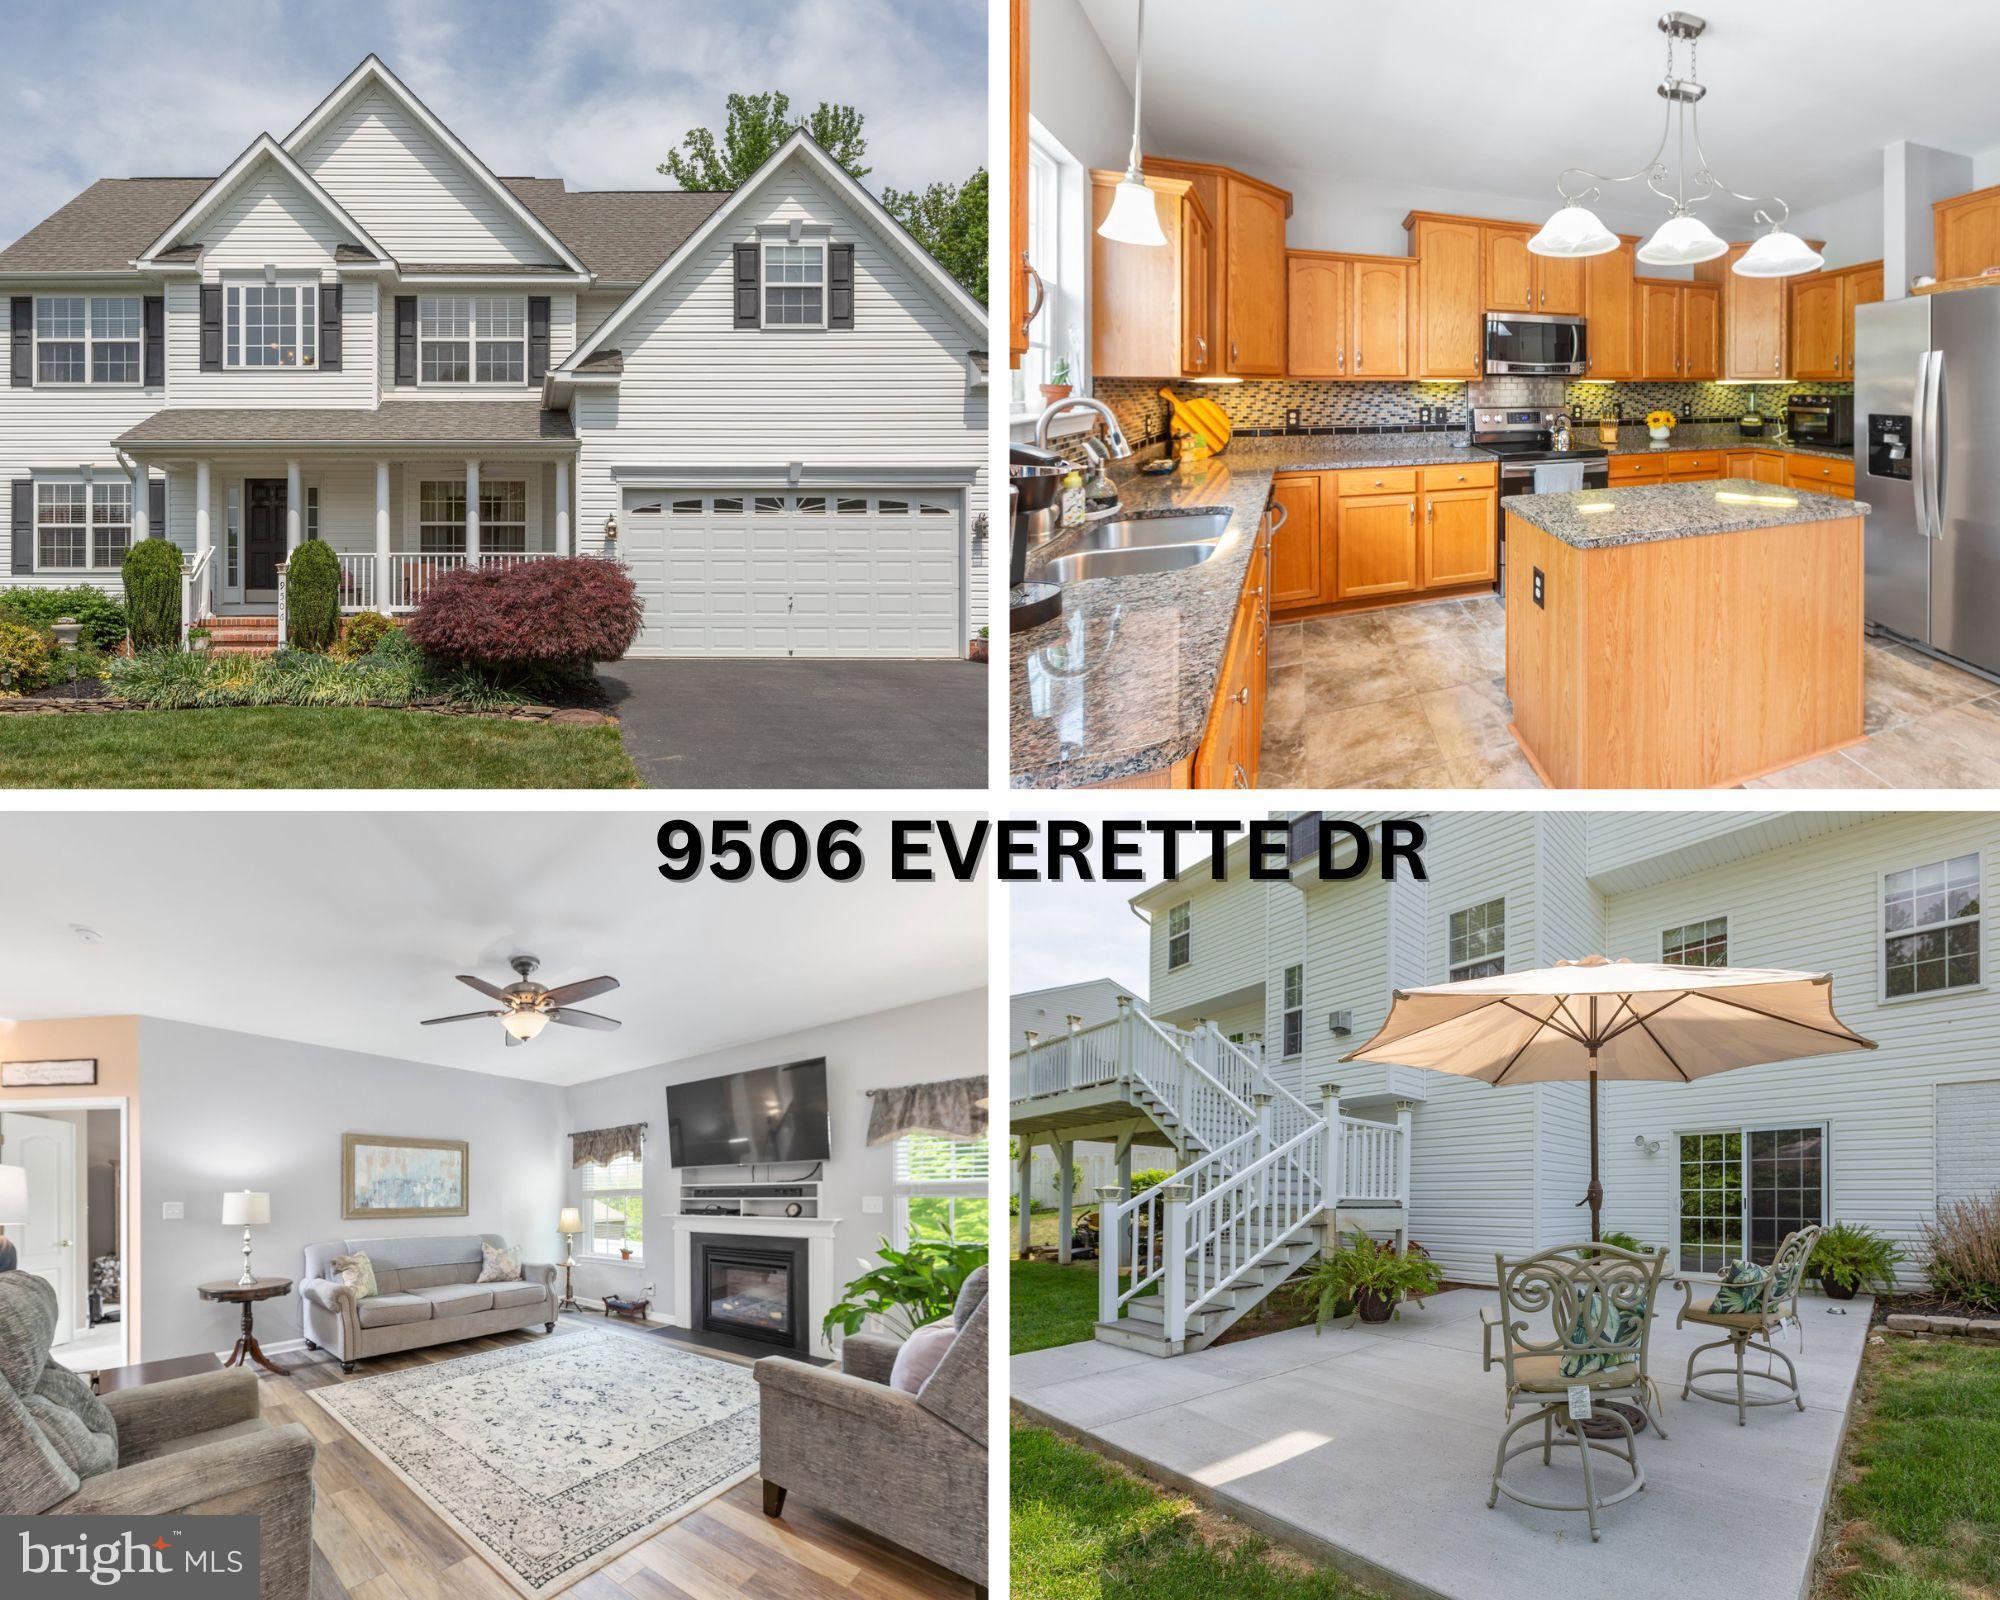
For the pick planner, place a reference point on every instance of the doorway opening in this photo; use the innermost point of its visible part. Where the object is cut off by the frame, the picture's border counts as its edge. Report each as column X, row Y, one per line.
column 75, row 1236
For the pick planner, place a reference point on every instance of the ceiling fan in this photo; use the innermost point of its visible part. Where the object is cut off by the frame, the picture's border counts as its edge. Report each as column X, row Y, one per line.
column 530, row 1007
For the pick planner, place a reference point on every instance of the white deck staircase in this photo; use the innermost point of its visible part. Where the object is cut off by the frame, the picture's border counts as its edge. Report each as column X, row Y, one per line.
column 1264, row 1180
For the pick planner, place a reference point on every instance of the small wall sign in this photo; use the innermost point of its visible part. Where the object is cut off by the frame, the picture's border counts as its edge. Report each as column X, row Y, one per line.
column 47, row 1074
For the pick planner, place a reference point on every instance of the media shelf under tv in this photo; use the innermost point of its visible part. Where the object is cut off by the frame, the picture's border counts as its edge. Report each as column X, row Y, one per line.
column 726, row 1192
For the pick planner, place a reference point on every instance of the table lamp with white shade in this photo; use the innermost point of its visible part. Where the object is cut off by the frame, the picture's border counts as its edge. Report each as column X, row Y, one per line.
column 13, row 1211
column 569, row 1225
column 245, row 1209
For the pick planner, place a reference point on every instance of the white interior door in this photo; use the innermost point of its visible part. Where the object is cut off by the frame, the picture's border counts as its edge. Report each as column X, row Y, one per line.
column 47, row 1240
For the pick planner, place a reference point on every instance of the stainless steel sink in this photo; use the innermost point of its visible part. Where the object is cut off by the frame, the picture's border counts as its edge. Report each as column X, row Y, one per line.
column 1147, row 532
column 1128, row 561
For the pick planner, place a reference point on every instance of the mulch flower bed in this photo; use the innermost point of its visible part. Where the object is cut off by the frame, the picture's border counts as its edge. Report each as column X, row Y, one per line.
column 1927, row 1313
column 49, row 703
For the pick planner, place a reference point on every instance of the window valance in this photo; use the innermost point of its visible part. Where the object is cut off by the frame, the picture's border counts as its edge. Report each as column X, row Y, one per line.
column 952, row 1109
column 602, row 1146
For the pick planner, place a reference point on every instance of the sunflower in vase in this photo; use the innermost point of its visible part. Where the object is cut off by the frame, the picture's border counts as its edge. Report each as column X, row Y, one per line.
column 1660, row 424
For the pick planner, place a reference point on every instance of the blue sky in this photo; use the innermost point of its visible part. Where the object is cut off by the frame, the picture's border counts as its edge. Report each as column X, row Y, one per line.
column 593, row 91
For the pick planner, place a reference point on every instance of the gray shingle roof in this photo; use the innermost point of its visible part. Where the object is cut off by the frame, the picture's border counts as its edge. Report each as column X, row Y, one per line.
column 103, row 228
column 620, row 234
column 398, row 422
column 487, row 269
column 611, row 361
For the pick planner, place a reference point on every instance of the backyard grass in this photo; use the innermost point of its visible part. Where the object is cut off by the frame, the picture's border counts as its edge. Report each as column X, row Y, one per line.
column 1083, row 1528
column 1052, row 1305
column 1916, row 1513
column 290, row 747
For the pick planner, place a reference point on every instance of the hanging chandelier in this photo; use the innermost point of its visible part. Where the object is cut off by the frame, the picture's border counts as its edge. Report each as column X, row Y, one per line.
column 1683, row 238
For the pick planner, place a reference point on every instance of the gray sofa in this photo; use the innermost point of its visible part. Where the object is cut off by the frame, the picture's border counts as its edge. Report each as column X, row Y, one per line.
column 189, row 1445
column 911, row 1468
column 428, row 1294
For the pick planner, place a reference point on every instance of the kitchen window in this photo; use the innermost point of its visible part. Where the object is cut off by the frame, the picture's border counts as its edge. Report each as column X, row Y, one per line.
column 614, row 1207
column 794, row 285
column 1697, row 944
column 503, row 515
column 469, row 339
column 1295, row 1011
column 87, row 338
column 271, row 324
column 1479, row 941
column 940, row 1189
column 1046, row 243
column 1180, row 928
column 82, row 526
column 1930, row 928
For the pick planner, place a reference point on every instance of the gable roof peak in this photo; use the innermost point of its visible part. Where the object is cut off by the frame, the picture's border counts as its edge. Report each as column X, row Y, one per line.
column 263, row 148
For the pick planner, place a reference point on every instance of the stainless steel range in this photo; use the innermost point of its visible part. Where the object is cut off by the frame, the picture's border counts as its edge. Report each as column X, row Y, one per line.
column 1525, row 438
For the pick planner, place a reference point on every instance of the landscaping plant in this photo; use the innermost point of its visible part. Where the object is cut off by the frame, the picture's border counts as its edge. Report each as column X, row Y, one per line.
column 549, row 620
column 27, row 657
column 364, row 631
column 1963, row 1246
column 103, row 618
column 312, row 596
column 393, row 674
column 1848, row 1258
column 908, row 1288
column 1368, row 1276
column 152, row 577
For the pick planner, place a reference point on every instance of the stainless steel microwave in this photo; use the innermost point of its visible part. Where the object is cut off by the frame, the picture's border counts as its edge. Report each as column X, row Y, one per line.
column 1532, row 344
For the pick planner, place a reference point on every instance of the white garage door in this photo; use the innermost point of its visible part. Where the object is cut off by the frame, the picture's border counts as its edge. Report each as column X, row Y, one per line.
column 1968, row 1140
column 858, row 574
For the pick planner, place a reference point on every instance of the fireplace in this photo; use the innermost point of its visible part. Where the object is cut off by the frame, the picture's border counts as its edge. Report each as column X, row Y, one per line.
column 745, row 1287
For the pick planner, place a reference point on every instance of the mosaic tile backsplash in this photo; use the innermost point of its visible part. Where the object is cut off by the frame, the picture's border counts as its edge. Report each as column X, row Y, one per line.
column 1261, row 406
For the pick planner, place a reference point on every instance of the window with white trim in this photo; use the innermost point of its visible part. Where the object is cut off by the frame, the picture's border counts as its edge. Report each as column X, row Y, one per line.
column 88, row 338
column 1930, row 928
column 503, row 515
column 1295, row 1011
column 940, row 1189
column 81, row 526
column 614, row 1207
column 1180, row 935
column 271, row 324
column 312, row 510
column 1479, row 941
column 472, row 339
column 232, row 542
column 1045, row 250
column 795, row 285
column 1697, row 944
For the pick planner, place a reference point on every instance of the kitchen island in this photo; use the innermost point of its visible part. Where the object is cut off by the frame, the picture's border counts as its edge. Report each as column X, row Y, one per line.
column 1682, row 635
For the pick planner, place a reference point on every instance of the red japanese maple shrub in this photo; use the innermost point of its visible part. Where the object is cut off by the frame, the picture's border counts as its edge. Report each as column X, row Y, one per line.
column 552, row 617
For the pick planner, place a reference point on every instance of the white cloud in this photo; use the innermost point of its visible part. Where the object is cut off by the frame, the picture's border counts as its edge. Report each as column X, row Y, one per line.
column 1070, row 932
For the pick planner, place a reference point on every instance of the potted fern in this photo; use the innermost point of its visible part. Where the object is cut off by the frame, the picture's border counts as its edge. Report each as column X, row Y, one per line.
column 906, row 1289
column 1848, row 1258
column 1368, row 1277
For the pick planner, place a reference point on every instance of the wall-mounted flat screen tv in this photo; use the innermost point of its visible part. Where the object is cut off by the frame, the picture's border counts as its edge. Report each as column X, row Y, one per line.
column 766, row 1115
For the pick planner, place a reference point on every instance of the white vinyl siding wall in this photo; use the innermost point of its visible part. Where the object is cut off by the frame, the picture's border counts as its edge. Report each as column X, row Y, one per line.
column 352, row 385
column 1569, row 924
column 562, row 340
column 267, row 217
column 1225, row 947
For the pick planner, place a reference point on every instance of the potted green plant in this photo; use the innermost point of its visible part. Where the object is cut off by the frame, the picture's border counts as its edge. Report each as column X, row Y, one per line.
column 198, row 639
column 1370, row 1278
column 907, row 1288
column 1058, row 386
column 979, row 646
column 1848, row 1258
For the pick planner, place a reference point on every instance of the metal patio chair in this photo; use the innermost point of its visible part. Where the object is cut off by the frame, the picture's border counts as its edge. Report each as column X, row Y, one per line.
column 1754, row 1308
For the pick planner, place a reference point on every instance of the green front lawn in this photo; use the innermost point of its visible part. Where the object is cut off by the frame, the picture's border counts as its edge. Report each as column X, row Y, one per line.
column 1917, row 1512
column 290, row 747
column 1052, row 1304
column 1083, row 1528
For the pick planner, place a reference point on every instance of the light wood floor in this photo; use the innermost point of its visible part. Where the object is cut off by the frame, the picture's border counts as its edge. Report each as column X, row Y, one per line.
column 375, row 1540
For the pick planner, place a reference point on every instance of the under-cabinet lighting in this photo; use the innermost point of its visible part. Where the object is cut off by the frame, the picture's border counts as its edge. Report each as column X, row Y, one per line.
column 1214, row 380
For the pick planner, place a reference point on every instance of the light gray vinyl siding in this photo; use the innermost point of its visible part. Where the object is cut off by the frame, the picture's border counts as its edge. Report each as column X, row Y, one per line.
column 1285, row 940
column 352, row 385
column 592, row 309
column 267, row 217
column 562, row 341
column 1569, row 924
column 1225, row 945
column 1968, row 1136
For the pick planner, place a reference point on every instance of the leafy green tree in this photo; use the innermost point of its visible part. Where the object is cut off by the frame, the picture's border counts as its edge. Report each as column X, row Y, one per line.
column 757, row 125
column 948, row 220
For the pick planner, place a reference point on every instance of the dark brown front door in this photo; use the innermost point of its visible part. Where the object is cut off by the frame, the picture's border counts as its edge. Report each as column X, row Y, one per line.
column 263, row 532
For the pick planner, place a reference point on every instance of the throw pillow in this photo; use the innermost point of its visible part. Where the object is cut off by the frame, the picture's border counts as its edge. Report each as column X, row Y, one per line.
column 1740, row 1289
column 358, row 1273
column 920, row 1355
column 502, row 1265
column 1621, row 1327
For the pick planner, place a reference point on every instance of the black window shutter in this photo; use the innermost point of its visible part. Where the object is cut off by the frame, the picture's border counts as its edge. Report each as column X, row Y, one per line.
column 329, row 327
column 156, row 341
column 24, row 525
column 23, row 345
column 840, row 286
column 211, row 327
column 156, row 507
column 406, row 339
column 538, row 337
column 746, row 286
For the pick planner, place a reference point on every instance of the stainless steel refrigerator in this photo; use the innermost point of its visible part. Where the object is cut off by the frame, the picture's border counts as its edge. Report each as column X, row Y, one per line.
column 1927, row 460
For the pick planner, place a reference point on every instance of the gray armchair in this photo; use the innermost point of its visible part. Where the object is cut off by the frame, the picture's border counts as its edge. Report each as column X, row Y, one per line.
column 188, row 1445
column 910, row 1467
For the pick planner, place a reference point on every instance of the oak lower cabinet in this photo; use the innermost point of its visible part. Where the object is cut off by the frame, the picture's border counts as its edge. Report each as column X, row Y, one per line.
column 1375, row 550
column 1295, row 545
column 1760, row 466
column 1367, row 536
column 1694, row 466
column 1822, row 474
column 1458, row 544
column 1227, row 755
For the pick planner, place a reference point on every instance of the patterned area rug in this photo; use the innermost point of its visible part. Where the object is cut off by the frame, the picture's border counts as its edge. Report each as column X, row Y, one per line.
column 550, row 1458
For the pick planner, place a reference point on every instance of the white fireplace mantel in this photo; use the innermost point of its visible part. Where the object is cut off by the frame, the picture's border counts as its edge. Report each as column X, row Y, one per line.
column 816, row 1231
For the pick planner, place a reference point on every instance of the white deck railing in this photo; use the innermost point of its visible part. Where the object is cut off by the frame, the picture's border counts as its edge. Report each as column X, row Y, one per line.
column 411, row 572
column 357, row 581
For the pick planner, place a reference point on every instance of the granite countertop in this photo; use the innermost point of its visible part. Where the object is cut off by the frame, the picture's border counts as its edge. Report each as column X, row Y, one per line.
column 1636, row 441
column 1645, row 512
column 1121, row 683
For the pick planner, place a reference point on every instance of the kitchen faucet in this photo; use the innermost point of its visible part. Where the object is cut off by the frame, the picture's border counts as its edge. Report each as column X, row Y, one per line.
column 1114, row 435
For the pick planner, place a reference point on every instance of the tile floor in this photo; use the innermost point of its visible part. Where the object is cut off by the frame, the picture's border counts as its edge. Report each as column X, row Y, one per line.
column 1412, row 697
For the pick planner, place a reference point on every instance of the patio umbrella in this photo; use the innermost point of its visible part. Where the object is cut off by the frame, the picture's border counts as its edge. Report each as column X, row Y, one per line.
column 1631, row 1020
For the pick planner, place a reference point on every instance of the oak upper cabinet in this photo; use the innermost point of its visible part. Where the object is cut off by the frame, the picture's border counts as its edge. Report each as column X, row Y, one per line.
column 1197, row 288
column 1139, row 320
column 1754, row 319
column 1376, row 549
column 1510, row 268
column 1701, row 331
column 1317, row 287
column 1450, row 315
column 1349, row 316
column 1019, row 297
column 1611, row 310
column 1295, row 546
column 1966, row 233
column 1247, row 324
column 1380, row 298
column 1659, row 329
column 1559, row 285
column 1822, row 313
column 1859, row 286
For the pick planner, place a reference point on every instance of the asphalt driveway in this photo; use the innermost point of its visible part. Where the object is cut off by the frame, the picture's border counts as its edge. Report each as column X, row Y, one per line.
column 803, row 724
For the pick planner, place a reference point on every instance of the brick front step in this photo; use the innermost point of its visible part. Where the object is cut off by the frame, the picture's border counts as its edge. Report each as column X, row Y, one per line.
column 241, row 636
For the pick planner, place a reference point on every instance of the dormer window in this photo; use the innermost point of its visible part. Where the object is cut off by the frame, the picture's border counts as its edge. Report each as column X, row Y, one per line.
column 272, row 324
column 466, row 338
column 795, row 285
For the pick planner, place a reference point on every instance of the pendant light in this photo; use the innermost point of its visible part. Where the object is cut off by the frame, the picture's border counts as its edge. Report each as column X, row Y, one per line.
column 1683, row 239
column 1134, row 217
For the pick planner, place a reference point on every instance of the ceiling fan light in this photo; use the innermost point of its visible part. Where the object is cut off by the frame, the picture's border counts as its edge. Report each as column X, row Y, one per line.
column 1778, row 255
column 1574, row 231
column 1134, row 217
column 524, row 1025
column 1681, row 241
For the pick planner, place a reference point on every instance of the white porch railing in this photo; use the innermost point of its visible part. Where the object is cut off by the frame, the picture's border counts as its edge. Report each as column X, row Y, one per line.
column 357, row 581
column 194, row 589
column 411, row 573
column 1371, row 1161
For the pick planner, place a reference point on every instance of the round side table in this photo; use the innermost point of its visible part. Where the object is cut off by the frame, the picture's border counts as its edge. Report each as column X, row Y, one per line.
column 246, row 1295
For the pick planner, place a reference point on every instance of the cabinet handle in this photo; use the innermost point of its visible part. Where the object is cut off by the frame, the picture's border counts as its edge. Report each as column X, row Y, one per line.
column 1041, row 292
column 1201, row 348
column 1242, row 696
column 1232, row 350
column 1242, row 778
column 1413, row 513
column 1430, row 514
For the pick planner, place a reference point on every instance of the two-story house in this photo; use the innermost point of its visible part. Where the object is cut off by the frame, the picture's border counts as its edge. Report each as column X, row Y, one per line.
column 769, row 403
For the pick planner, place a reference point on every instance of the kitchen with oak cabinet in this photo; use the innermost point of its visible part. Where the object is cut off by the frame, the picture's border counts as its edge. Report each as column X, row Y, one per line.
column 1366, row 339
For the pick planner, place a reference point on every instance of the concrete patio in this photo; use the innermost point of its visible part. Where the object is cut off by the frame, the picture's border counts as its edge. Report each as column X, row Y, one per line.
column 1372, row 1449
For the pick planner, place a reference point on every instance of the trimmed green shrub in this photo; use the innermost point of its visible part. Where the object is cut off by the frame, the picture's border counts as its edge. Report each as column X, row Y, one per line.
column 103, row 618
column 152, row 575
column 364, row 631
column 27, row 657
column 1149, row 1178
column 312, row 595
column 176, row 681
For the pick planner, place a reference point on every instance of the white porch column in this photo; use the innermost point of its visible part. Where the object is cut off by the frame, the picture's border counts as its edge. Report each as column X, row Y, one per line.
column 1066, row 1198
column 562, row 508
column 204, row 534
column 1025, row 1164
column 383, row 598
column 142, row 506
column 471, row 512
column 295, row 509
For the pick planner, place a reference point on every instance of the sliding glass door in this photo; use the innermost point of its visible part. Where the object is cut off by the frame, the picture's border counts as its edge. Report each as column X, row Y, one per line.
column 1747, row 1184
